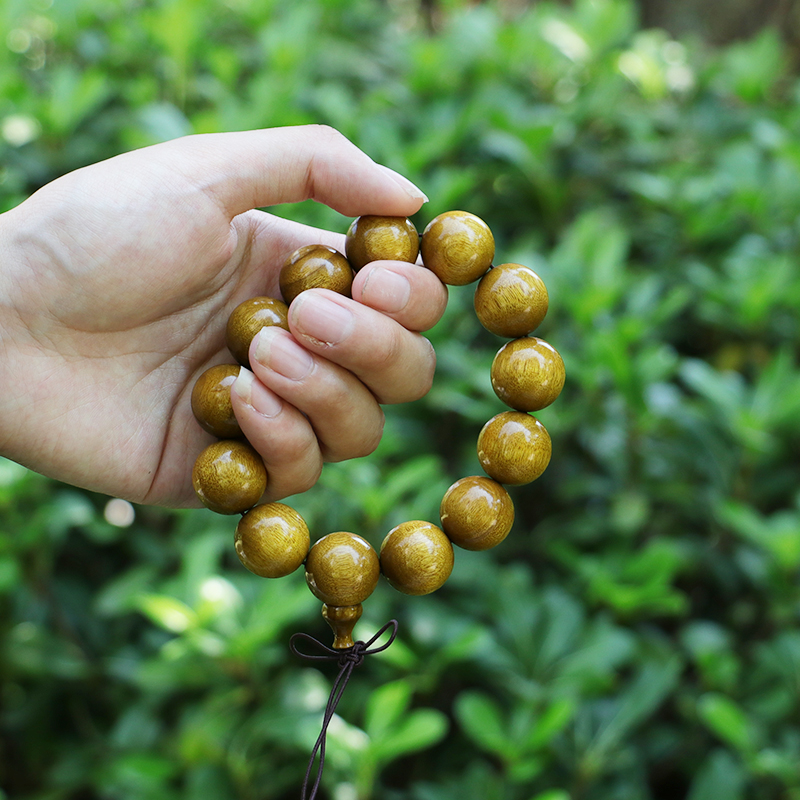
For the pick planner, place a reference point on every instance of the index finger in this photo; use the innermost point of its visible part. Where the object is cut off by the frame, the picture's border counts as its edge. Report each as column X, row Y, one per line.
column 252, row 169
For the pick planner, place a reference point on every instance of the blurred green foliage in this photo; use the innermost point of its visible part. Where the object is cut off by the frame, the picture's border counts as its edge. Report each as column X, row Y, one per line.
column 636, row 637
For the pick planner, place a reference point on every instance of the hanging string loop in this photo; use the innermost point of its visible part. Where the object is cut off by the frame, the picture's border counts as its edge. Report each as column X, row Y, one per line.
column 348, row 659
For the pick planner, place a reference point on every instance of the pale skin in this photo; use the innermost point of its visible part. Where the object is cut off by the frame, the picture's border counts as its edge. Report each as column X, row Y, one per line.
column 116, row 284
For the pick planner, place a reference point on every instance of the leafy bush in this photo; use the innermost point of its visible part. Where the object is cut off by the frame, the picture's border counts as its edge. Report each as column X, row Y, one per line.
column 636, row 636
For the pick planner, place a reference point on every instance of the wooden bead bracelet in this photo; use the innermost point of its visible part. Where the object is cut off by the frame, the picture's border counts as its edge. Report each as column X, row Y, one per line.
column 342, row 569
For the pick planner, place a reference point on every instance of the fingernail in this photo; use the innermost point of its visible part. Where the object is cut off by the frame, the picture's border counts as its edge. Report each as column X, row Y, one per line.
column 276, row 350
column 321, row 319
column 386, row 290
column 256, row 396
column 405, row 183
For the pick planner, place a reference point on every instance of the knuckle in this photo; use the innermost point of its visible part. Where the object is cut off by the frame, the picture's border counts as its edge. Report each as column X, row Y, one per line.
column 308, row 477
column 384, row 352
column 327, row 133
column 363, row 443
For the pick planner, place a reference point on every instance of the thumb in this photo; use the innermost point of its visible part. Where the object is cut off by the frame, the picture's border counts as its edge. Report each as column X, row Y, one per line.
column 252, row 169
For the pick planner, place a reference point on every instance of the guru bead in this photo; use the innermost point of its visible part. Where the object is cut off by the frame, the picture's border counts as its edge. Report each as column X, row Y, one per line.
column 229, row 477
column 477, row 513
column 458, row 247
column 514, row 448
column 371, row 238
column 416, row 557
column 511, row 300
column 315, row 266
column 527, row 374
column 342, row 620
column 211, row 401
column 247, row 319
column 342, row 569
column 272, row 540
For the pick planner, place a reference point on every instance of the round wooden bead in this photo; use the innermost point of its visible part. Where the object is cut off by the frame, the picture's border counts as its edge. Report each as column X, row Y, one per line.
column 511, row 300
column 272, row 540
column 211, row 401
column 514, row 448
column 416, row 557
column 315, row 266
column 477, row 513
column 372, row 238
column 229, row 477
column 247, row 319
column 342, row 569
column 458, row 247
column 527, row 374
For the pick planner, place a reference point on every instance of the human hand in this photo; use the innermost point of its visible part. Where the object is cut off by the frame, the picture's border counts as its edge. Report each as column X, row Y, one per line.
column 116, row 286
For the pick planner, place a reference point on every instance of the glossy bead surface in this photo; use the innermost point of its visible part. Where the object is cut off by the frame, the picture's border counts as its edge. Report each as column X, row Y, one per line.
column 416, row 557
column 229, row 477
column 527, row 374
column 514, row 448
column 342, row 620
column 247, row 319
column 342, row 569
column 272, row 540
column 458, row 247
column 372, row 238
column 315, row 266
column 211, row 401
column 477, row 513
column 511, row 300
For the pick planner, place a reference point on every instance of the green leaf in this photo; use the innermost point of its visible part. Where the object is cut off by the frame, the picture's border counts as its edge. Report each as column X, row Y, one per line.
column 168, row 612
column 727, row 720
column 551, row 722
column 483, row 722
column 419, row 730
column 385, row 706
column 639, row 700
column 720, row 776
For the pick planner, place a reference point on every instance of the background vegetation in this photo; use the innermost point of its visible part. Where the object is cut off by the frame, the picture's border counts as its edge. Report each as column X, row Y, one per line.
column 636, row 637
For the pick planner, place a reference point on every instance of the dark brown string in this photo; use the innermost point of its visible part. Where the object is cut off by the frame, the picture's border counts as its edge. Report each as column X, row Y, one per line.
column 348, row 659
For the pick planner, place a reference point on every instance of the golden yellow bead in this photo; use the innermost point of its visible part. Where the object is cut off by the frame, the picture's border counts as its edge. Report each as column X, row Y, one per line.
column 458, row 247
column 477, row 513
column 342, row 620
column 511, row 300
column 315, row 266
column 514, row 448
column 342, row 569
column 416, row 557
column 372, row 238
column 527, row 374
column 229, row 477
column 247, row 319
column 211, row 401
column 272, row 540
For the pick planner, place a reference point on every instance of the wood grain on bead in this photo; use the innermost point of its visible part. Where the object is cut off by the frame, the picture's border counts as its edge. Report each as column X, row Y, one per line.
column 527, row 374
column 342, row 569
column 416, row 557
column 247, row 319
column 315, row 266
column 211, row 401
column 458, row 247
column 477, row 513
column 514, row 448
column 342, row 620
column 372, row 238
column 511, row 300
column 272, row 540
column 229, row 477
